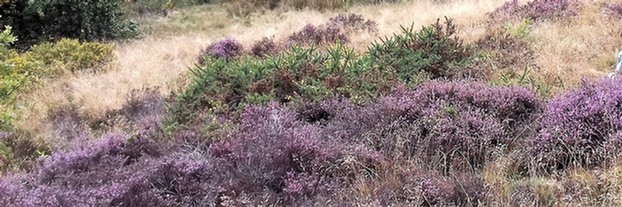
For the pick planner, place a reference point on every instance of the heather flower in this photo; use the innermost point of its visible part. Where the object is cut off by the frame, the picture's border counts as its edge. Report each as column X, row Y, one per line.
column 581, row 127
column 550, row 9
column 538, row 10
column 418, row 187
column 273, row 143
column 264, row 47
column 612, row 9
column 456, row 123
column 227, row 48
column 352, row 22
column 337, row 29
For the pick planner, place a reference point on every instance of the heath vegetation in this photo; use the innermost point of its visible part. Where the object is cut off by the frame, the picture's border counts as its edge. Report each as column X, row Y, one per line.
column 310, row 103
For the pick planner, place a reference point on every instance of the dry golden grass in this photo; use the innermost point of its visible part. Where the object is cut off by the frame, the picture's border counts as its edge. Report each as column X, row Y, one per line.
column 213, row 21
column 581, row 47
column 148, row 63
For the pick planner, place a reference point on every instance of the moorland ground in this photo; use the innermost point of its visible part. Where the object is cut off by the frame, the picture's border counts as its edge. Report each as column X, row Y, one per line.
column 340, row 103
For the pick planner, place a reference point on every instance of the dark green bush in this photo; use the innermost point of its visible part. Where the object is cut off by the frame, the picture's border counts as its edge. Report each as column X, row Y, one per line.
column 434, row 49
column 35, row 21
column 298, row 75
column 302, row 75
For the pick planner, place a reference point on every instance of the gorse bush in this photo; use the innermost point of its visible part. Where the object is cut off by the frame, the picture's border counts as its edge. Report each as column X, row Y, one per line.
column 35, row 21
column 580, row 128
column 303, row 74
column 10, row 77
column 299, row 75
column 435, row 50
column 14, row 73
column 520, row 30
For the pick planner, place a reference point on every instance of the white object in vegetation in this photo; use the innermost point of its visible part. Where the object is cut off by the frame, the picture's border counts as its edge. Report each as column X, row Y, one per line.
column 618, row 67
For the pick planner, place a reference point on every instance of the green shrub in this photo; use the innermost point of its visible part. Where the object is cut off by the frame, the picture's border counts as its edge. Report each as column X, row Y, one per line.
column 47, row 59
column 298, row 75
column 434, row 49
column 520, row 30
column 526, row 79
column 35, row 21
column 6, row 37
column 13, row 70
column 303, row 75
column 23, row 70
column 71, row 54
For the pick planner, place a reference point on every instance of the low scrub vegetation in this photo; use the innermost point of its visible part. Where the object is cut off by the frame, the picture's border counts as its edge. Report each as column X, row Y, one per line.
column 424, row 117
column 23, row 72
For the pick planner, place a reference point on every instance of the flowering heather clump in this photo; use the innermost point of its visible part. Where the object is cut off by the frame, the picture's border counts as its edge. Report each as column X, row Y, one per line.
column 448, row 125
column 92, row 174
column 509, row 7
column 507, row 50
column 581, row 128
column 336, row 30
column 550, row 9
column 264, row 47
column 277, row 152
column 612, row 9
column 227, row 48
column 538, row 10
column 352, row 23
column 272, row 150
column 417, row 187
column 312, row 35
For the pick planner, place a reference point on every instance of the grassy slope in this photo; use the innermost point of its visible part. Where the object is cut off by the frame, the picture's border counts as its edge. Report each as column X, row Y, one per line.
column 571, row 49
